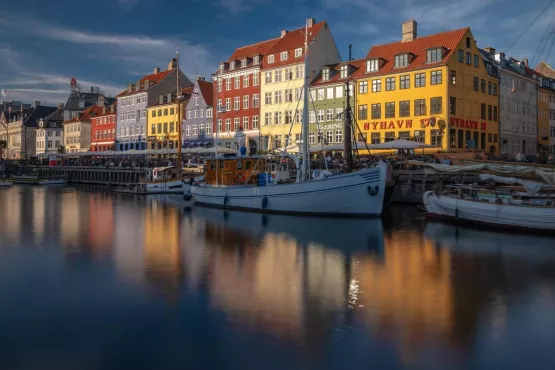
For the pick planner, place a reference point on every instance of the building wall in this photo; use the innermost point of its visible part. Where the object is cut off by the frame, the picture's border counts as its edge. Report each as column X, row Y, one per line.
column 103, row 132
column 518, row 127
column 552, row 122
column 44, row 136
column 163, row 123
column 333, row 105
column 198, row 123
column 77, row 136
column 226, row 134
column 543, row 117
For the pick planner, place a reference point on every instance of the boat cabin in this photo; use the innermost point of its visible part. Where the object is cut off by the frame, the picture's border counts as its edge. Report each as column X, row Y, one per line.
column 163, row 174
column 234, row 171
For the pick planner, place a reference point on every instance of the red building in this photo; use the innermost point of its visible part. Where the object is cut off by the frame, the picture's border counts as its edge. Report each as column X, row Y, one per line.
column 103, row 130
column 237, row 94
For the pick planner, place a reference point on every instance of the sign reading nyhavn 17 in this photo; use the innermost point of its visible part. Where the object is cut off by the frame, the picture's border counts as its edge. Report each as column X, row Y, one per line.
column 424, row 122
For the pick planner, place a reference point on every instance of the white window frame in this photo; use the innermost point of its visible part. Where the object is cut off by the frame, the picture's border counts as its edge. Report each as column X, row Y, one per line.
column 372, row 65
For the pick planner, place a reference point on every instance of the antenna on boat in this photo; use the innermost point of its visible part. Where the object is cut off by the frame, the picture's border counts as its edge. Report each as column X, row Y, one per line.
column 347, row 142
column 305, row 168
column 178, row 94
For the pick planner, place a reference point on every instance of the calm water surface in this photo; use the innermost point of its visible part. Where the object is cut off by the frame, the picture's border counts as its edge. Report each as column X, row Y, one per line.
column 91, row 280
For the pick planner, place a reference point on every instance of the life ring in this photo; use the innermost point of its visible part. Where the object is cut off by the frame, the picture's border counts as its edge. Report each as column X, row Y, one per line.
column 240, row 179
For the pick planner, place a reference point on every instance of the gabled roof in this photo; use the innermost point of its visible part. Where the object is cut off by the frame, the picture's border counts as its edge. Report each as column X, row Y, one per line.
column 30, row 116
column 335, row 73
column 545, row 69
column 90, row 112
column 249, row 51
column 153, row 78
column 289, row 42
column 90, row 99
column 207, row 92
column 56, row 116
column 418, row 47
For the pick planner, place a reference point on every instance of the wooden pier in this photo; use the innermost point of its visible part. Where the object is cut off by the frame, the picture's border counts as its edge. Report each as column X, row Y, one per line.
column 94, row 175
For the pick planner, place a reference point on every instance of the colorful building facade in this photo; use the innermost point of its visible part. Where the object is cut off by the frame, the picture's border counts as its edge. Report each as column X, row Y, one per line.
column 103, row 129
column 546, row 113
column 328, row 96
column 198, row 122
column 433, row 89
column 50, row 132
column 77, row 131
column 237, row 95
column 283, row 76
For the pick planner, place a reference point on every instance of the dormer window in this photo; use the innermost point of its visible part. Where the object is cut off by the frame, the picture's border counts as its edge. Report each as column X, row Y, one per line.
column 222, row 68
column 372, row 65
column 298, row 53
column 283, row 56
column 434, row 55
column 325, row 74
column 401, row 61
column 270, row 59
column 232, row 65
column 344, row 71
column 256, row 59
column 244, row 63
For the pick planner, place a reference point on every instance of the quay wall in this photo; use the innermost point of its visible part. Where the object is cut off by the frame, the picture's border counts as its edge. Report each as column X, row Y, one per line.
column 94, row 175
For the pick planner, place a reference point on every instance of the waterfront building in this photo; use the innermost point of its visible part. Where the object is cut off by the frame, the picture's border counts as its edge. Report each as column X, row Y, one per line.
column 282, row 79
column 18, row 129
column 328, row 101
column 50, row 132
column 237, row 95
column 77, row 131
column 197, row 121
column 547, row 73
column 131, row 130
column 518, row 125
column 79, row 100
column 433, row 89
column 163, row 120
column 103, row 129
column 546, row 117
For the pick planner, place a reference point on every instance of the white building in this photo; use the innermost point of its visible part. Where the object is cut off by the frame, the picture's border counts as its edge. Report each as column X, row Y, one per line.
column 50, row 132
column 77, row 131
column 518, row 108
column 132, row 103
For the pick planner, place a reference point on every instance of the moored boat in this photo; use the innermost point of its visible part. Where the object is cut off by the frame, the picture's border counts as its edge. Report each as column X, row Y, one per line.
column 5, row 184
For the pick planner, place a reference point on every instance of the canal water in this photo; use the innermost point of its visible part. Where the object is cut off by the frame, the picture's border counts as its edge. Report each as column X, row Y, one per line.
column 94, row 280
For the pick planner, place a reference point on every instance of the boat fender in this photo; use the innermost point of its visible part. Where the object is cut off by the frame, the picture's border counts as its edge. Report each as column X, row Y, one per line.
column 187, row 197
column 264, row 202
column 225, row 200
column 373, row 190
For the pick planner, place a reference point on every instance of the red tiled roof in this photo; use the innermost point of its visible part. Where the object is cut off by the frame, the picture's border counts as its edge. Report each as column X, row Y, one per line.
column 335, row 78
column 87, row 114
column 292, row 40
column 260, row 48
column 418, row 47
column 155, row 78
column 207, row 92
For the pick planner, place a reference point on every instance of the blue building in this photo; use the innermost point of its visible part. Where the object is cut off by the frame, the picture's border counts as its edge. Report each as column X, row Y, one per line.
column 197, row 127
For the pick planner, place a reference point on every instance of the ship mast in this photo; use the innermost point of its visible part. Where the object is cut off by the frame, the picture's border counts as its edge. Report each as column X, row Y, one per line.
column 348, row 126
column 305, row 155
column 178, row 94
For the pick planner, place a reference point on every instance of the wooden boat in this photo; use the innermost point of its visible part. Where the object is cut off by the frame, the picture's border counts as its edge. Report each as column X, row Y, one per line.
column 498, row 208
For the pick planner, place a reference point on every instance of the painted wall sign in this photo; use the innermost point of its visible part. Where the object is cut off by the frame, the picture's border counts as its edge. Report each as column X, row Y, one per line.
column 468, row 124
column 391, row 125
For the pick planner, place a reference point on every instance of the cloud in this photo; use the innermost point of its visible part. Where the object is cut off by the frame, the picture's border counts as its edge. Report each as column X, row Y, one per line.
column 127, row 5
column 236, row 7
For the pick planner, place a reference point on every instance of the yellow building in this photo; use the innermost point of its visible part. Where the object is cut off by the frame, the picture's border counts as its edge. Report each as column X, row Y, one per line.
column 163, row 122
column 435, row 89
column 282, row 79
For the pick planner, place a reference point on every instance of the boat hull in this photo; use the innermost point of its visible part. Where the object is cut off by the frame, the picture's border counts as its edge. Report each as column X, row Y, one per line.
column 151, row 190
column 4, row 184
column 506, row 216
column 356, row 194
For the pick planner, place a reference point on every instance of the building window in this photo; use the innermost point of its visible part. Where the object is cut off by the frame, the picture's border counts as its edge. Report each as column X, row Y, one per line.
column 389, row 136
column 277, row 97
column 338, row 136
column 375, row 138
column 325, row 74
column 298, row 93
column 490, row 112
column 420, row 80
column 476, row 83
column 344, row 71
column 452, row 105
column 268, row 98
column 401, row 61
column 329, row 93
column 483, row 85
column 232, row 65
column 299, row 71
column 288, row 74
column 320, row 94
column 376, row 85
column 321, row 115
column 362, row 111
column 483, row 111
column 372, row 65
column 311, row 117
column 490, row 88
column 390, row 110
column 468, row 42
column 154, row 113
column 363, row 87
column 255, row 100
column 329, row 115
column 153, row 129
column 271, row 59
column 268, row 77
column 255, row 79
column 436, row 78
column 237, row 83
column 390, row 83
column 329, row 137
column 435, row 136
column 288, row 117
column 476, row 61
column 228, row 104
column 236, row 103
column 267, row 118
column 404, row 108
column 298, row 52
column 339, row 114
column 468, row 58
column 461, row 55
column 495, row 113
column 436, row 105
column 376, row 111
column 246, row 80
column 245, row 123
column 434, row 55
column 256, row 59
column 420, row 107
column 227, row 84
column 453, row 77
column 245, row 102
column 404, row 82
column 254, row 122
column 420, row 136
column 277, row 118
column 283, row 56
column 277, row 75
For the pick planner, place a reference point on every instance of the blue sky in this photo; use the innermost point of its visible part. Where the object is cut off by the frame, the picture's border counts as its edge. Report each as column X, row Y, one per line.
column 110, row 43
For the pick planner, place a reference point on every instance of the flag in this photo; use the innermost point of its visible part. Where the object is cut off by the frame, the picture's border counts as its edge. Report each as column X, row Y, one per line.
column 4, row 92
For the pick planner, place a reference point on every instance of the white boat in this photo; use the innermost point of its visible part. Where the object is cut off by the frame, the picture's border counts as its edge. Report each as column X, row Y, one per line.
column 468, row 205
column 5, row 184
column 160, row 180
column 358, row 193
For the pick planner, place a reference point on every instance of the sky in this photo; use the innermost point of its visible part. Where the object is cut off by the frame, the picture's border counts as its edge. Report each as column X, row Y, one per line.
column 111, row 43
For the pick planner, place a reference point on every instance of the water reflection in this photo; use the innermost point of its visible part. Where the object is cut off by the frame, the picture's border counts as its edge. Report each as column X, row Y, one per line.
column 422, row 294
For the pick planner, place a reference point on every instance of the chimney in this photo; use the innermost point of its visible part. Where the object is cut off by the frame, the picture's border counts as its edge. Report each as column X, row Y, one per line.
column 284, row 32
column 101, row 100
column 103, row 110
column 37, row 102
column 61, row 106
column 113, row 108
column 490, row 50
column 311, row 22
column 129, row 88
column 409, row 30
column 172, row 64
column 156, row 70
column 525, row 62
column 199, row 78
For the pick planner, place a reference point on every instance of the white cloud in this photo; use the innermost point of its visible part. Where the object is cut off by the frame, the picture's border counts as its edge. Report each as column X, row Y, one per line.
column 235, row 7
